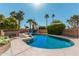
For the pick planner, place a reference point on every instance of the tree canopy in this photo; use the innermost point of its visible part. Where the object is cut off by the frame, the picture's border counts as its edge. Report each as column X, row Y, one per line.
column 8, row 23
column 56, row 21
column 74, row 21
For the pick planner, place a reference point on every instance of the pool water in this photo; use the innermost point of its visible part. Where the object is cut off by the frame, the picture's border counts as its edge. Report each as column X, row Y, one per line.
column 49, row 42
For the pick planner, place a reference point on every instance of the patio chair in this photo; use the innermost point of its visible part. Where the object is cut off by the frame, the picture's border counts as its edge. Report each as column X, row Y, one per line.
column 24, row 36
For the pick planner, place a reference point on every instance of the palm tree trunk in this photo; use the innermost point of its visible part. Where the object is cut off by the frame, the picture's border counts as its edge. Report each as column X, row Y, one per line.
column 46, row 25
column 33, row 26
column 18, row 22
column 30, row 25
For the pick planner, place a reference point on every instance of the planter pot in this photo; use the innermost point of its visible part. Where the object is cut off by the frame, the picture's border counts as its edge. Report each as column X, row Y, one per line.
column 4, row 48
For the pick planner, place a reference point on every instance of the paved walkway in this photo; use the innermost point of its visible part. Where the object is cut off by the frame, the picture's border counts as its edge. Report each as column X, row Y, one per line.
column 19, row 48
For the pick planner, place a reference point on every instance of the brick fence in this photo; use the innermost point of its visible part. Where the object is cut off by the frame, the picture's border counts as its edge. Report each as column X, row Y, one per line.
column 71, row 32
column 42, row 31
column 66, row 32
column 10, row 33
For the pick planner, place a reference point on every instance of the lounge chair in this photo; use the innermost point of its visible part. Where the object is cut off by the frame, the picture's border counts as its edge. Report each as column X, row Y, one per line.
column 24, row 36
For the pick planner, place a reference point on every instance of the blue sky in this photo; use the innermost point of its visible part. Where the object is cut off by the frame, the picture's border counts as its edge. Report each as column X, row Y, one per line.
column 62, row 11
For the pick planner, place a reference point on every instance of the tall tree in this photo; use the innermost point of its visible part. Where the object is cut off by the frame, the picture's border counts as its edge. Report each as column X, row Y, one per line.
column 18, row 15
column 12, row 23
column 2, row 18
column 30, row 23
column 34, row 25
column 13, row 14
column 9, row 23
column 53, row 15
column 74, row 21
column 46, row 17
column 56, row 21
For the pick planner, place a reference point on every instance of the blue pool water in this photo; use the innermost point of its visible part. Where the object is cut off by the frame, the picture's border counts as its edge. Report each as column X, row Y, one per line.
column 49, row 42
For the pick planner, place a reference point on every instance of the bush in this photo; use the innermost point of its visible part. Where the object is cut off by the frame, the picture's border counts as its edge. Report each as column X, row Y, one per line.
column 56, row 29
column 42, row 27
column 3, row 40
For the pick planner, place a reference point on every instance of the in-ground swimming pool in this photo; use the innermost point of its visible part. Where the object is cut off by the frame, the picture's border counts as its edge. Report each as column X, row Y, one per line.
column 49, row 42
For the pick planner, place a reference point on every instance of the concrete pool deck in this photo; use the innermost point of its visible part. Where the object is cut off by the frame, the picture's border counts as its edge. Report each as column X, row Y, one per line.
column 20, row 48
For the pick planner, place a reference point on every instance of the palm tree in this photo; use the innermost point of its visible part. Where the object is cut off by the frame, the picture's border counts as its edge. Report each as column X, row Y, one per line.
column 53, row 15
column 13, row 14
column 32, row 24
column 30, row 21
column 18, row 15
column 26, row 26
column 74, row 21
column 46, row 17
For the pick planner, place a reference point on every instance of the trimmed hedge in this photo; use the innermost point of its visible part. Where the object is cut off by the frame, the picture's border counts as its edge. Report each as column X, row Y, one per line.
column 56, row 29
column 42, row 27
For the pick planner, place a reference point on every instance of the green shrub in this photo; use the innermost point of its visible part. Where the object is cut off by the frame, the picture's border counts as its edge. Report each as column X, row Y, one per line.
column 42, row 27
column 3, row 40
column 56, row 28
